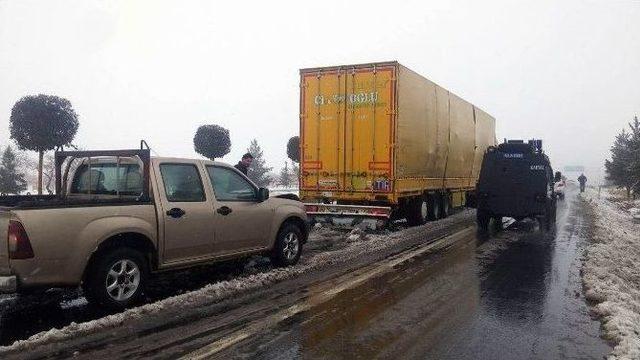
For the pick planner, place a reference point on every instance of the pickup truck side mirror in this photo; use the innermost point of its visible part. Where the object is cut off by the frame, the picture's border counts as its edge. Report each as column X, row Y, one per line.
column 263, row 194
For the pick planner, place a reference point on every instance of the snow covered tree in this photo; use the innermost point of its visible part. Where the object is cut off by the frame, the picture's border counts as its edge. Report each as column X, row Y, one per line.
column 623, row 170
column 634, row 150
column 285, row 176
column 11, row 181
column 258, row 171
column 212, row 141
column 41, row 123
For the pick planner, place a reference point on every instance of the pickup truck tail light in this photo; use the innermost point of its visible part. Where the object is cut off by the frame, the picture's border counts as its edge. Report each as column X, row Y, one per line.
column 19, row 244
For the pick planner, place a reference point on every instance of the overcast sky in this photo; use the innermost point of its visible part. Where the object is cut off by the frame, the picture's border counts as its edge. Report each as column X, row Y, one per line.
column 564, row 71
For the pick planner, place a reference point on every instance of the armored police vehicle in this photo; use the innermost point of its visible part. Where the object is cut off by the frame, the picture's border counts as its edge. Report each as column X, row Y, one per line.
column 516, row 180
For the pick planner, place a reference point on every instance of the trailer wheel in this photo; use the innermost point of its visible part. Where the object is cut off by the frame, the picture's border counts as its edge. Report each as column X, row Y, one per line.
column 417, row 211
column 446, row 205
column 435, row 210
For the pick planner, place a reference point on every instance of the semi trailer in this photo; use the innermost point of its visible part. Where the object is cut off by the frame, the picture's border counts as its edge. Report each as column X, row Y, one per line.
column 379, row 140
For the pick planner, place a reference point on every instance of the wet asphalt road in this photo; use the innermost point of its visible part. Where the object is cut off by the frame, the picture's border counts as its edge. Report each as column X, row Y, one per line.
column 514, row 296
column 522, row 302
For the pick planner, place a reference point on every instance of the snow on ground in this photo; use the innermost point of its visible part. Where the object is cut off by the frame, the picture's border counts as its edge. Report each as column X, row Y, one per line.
column 5, row 298
column 611, row 274
column 325, row 247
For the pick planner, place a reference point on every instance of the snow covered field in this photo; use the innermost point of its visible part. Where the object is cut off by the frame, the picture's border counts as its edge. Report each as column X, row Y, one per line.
column 611, row 273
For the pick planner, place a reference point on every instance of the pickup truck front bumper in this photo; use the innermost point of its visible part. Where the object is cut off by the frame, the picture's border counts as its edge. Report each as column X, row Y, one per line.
column 8, row 284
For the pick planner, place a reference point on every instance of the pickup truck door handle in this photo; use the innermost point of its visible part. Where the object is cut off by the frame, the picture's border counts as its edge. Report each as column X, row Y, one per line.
column 225, row 210
column 176, row 213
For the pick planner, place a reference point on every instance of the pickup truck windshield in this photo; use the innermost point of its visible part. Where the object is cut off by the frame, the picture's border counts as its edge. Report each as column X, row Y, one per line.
column 107, row 179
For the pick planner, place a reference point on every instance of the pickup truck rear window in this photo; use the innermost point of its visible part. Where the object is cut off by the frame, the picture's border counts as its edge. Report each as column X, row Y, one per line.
column 107, row 179
column 182, row 183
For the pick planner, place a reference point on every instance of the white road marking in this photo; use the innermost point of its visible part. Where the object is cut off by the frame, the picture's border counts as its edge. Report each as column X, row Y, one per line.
column 335, row 287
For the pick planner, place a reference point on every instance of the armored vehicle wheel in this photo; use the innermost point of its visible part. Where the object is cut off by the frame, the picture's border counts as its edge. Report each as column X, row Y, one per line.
column 483, row 220
column 497, row 223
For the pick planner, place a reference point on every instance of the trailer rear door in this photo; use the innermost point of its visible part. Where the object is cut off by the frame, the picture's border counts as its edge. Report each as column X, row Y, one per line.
column 347, row 127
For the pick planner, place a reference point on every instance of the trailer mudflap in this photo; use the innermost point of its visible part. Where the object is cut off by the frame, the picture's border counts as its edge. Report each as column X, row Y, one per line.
column 348, row 216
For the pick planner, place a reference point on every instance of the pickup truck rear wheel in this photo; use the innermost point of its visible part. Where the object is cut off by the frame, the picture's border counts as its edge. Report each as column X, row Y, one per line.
column 117, row 279
column 288, row 246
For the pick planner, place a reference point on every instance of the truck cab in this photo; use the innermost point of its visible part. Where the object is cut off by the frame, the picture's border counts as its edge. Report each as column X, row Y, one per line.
column 516, row 180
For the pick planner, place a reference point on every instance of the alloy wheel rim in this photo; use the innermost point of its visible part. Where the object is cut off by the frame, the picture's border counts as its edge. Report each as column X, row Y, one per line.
column 291, row 246
column 123, row 280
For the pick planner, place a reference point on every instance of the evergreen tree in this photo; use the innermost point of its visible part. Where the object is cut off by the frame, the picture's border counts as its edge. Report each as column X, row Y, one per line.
column 634, row 151
column 284, row 178
column 623, row 170
column 11, row 182
column 258, row 171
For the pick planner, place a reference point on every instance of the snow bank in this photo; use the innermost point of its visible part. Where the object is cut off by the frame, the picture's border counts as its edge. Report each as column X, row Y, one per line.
column 339, row 247
column 611, row 276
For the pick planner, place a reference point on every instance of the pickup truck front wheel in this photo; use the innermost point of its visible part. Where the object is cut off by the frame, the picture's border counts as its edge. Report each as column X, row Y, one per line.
column 288, row 247
column 117, row 279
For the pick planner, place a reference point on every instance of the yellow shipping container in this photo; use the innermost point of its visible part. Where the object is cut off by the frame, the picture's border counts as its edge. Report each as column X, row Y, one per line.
column 381, row 134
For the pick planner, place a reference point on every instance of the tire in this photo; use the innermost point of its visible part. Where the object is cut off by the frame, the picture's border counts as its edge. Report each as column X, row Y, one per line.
column 288, row 246
column 497, row 223
column 483, row 219
column 125, row 271
column 435, row 210
column 446, row 206
column 543, row 223
column 417, row 212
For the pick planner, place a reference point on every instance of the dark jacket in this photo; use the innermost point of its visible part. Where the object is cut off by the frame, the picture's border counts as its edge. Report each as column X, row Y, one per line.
column 582, row 179
column 242, row 167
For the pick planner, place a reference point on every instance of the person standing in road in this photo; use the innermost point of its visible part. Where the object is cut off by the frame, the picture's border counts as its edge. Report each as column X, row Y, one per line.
column 243, row 165
column 583, row 181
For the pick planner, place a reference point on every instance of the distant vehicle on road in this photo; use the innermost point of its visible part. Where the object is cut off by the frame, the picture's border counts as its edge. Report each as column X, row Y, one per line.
column 559, row 188
column 516, row 180
column 118, row 216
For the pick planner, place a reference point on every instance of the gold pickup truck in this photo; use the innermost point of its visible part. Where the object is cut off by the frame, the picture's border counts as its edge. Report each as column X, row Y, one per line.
column 118, row 216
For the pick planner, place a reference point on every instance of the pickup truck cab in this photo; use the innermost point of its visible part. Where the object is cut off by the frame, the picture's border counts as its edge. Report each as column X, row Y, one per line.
column 119, row 216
